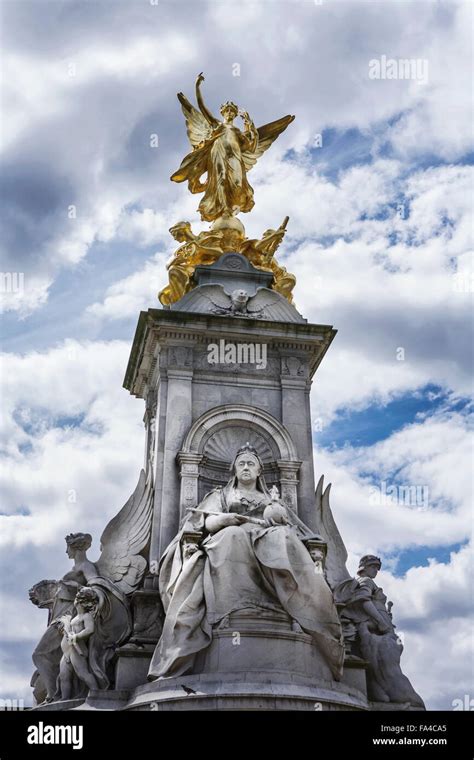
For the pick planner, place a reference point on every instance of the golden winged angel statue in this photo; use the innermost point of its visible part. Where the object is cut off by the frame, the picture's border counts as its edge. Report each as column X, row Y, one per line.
column 224, row 153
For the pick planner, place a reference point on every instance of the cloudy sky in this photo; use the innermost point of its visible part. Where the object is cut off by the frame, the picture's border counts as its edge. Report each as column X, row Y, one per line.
column 375, row 174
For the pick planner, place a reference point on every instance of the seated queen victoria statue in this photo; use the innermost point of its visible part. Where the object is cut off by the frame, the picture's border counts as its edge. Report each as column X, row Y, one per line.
column 241, row 548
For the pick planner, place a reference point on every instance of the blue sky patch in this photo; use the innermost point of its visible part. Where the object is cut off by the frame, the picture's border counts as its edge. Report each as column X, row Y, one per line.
column 420, row 556
column 379, row 421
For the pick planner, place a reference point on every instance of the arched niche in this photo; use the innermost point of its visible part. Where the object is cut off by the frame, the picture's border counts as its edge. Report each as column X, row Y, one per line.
column 212, row 441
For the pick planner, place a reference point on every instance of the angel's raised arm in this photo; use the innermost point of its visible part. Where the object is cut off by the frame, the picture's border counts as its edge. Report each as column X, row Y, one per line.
column 202, row 106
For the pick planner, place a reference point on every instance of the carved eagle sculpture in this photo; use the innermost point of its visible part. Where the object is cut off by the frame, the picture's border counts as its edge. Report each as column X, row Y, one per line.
column 263, row 304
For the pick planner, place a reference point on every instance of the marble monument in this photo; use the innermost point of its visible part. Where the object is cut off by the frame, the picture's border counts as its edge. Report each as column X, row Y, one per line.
column 222, row 582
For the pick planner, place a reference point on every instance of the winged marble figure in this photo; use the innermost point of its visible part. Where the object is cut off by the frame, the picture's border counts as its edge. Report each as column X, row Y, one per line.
column 111, row 580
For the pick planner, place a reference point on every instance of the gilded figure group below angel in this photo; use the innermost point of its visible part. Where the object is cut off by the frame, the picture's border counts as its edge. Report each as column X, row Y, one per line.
column 217, row 166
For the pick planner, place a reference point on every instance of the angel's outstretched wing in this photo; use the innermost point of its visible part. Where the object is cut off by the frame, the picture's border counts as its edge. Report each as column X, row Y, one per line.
column 199, row 129
column 126, row 536
column 266, row 135
column 337, row 554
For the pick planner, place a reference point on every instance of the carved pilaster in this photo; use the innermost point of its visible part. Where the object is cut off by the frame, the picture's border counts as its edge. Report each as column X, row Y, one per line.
column 150, row 427
column 189, row 474
column 289, row 482
column 180, row 357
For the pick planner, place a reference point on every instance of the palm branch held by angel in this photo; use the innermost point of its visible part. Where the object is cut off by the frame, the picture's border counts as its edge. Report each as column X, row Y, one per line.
column 224, row 153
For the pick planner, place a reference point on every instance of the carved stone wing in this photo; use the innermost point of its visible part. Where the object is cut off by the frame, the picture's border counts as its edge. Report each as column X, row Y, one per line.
column 266, row 135
column 263, row 297
column 198, row 128
column 126, row 536
column 337, row 554
column 268, row 304
column 205, row 298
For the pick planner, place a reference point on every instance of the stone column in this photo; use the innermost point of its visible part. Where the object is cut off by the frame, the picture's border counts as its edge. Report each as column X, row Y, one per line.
column 296, row 417
column 160, row 433
column 189, row 475
column 179, row 373
column 289, row 482
column 150, row 427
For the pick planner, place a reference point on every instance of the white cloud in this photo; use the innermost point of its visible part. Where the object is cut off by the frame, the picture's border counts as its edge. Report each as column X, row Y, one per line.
column 423, row 454
column 23, row 295
column 73, row 441
column 440, row 123
column 42, row 89
column 15, row 675
column 433, row 611
column 126, row 297
column 72, row 450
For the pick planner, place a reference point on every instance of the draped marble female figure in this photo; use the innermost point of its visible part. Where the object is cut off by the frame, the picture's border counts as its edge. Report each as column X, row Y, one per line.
column 249, row 553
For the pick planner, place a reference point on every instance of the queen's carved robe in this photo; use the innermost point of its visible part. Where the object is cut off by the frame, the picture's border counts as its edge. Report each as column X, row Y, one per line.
column 240, row 567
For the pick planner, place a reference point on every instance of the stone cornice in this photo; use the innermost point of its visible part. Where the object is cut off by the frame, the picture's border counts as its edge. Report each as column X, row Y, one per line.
column 164, row 327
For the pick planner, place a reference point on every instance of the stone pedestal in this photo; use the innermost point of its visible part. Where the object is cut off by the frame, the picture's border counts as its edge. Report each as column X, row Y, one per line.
column 256, row 661
column 263, row 642
column 355, row 673
column 61, row 705
column 263, row 690
column 133, row 661
column 148, row 614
